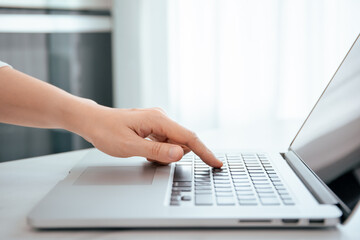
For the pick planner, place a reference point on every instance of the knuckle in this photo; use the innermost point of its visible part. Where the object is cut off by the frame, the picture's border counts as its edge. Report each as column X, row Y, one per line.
column 156, row 149
column 193, row 138
column 158, row 110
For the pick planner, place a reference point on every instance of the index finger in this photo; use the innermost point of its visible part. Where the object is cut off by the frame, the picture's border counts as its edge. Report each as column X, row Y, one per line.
column 181, row 135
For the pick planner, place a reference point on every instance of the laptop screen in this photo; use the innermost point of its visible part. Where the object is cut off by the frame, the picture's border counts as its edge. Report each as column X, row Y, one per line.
column 329, row 140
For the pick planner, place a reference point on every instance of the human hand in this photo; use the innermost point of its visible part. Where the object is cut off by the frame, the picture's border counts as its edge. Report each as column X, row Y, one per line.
column 142, row 132
column 27, row 101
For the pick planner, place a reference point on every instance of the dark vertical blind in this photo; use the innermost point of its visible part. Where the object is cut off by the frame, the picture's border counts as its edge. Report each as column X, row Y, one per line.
column 79, row 63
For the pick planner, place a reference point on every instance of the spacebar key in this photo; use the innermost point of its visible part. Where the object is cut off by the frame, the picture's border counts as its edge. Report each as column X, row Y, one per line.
column 183, row 173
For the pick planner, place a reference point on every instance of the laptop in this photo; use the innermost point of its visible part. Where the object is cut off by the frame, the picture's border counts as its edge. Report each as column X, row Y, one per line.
column 316, row 183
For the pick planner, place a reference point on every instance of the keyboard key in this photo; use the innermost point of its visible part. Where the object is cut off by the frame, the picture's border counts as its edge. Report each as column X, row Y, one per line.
column 261, row 190
column 182, row 184
column 260, row 180
column 237, row 169
column 255, row 168
column 227, row 194
column 223, row 189
column 256, row 171
column 202, row 168
column 220, row 174
column 221, row 178
column 245, row 193
column 221, row 181
column 222, row 186
column 209, row 187
column 242, row 184
column 247, row 202
column 202, row 179
column 243, row 188
column 252, row 164
column 186, row 198
column 262, row 183
column 263, row 186
column 235, row 163
column 200, row 163
column 278, row 184
column 236, row 166
column 247, row 198
column 201, row 191
column 182, row 173
column 225, row 201
column 282, row 191
column 267, row 195
column 175, row 198
column 204, row 199
column 266, row 164
column 202, row 174
column 243, row 176
column 174, row 203
column 182, row 189
column 273, row 177
column 284, row 194
column 202, row 171
column 248, row 155
column 258, row 176
column 219, row 170
column 252, row 157
column 269, row 201
column 241, row 181
column 202, row 183
column 238, row 174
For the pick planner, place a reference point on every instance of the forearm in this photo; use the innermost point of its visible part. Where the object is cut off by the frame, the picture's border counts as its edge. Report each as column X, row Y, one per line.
column 27, row 101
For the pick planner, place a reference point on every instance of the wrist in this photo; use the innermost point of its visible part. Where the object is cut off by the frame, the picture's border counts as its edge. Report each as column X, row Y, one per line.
column 78, row 115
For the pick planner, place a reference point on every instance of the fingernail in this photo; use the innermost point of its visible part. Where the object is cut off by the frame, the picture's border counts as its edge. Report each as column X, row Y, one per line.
column 173, row 153
column 220, row 163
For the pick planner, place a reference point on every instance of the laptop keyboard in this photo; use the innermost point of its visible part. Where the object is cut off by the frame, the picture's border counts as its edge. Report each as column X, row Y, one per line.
column 244, row 180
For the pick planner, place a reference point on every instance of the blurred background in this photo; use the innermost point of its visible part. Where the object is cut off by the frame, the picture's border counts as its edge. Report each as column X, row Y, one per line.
column 212, row 65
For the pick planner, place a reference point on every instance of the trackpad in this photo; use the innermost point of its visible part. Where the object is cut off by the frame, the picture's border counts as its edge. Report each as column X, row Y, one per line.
column 117, row 175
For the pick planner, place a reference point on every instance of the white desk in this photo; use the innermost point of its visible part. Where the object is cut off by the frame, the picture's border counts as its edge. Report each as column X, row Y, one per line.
column 24, row 182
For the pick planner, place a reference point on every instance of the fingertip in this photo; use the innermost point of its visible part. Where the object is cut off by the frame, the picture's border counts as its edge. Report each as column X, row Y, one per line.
column 175, row 153
column 218, row 164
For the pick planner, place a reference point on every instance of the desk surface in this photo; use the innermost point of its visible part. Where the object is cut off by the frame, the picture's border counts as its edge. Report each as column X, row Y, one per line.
column 25, row 182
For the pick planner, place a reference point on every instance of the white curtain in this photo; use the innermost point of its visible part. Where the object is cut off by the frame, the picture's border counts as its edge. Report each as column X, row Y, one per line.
column 225, row 64
column 239, row 62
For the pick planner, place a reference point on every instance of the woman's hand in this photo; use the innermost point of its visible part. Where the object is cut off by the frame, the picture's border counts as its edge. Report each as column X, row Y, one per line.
column 141, row 132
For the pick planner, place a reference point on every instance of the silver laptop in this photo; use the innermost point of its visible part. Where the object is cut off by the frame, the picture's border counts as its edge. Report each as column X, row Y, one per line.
column 315, row 184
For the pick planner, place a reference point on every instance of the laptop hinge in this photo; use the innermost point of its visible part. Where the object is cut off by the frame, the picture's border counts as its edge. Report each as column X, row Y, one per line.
column 309, row 178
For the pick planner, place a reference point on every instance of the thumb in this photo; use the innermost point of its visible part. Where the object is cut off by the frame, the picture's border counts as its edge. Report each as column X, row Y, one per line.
column 159, row 151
